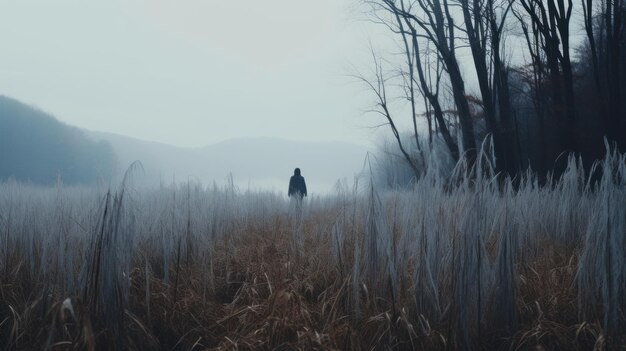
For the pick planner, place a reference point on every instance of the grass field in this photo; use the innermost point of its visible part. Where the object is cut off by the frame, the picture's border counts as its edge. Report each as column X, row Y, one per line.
column 473, row 264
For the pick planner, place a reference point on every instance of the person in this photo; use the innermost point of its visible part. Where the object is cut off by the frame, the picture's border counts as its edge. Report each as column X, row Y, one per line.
column 297, row 185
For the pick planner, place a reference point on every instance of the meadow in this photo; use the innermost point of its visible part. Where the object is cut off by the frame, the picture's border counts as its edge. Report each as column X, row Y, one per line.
column 475, row 262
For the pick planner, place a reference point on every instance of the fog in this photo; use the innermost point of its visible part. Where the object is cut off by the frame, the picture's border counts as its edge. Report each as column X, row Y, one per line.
column 37, row 148
column 249, row 163
column 189, row 73
column 194, row 89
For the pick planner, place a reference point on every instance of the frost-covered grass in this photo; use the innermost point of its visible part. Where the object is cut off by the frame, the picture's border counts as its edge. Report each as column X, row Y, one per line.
column 468, row 264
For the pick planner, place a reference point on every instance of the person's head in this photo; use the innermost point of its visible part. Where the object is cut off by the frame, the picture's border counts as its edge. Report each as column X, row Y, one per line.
column 296, row 171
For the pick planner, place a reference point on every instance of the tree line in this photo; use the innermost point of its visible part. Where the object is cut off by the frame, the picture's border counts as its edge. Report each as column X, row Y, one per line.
column 515, row 71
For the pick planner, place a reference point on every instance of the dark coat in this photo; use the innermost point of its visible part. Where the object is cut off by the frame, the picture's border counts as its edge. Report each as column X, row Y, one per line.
column 297, row 185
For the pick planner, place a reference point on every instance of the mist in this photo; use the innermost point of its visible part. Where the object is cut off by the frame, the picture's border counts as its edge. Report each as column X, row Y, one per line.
column 249, row 163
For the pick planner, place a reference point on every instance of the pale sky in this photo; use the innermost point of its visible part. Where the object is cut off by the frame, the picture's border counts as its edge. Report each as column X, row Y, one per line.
column 190, row 72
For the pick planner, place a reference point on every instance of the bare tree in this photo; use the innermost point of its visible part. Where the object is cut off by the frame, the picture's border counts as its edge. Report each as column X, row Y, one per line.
column 429, row 90
column 588, row 16
column 433, row 34
column 551, row 22
column 378, row 86
column 484, row 25
column 614, row 13
column 432, row 20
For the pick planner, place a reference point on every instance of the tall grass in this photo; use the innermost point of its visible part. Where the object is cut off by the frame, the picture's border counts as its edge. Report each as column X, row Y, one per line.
column 474, row 263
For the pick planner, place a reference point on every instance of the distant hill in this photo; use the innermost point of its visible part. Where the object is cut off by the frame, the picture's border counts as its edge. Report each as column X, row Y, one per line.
column 253, row 162
column 35, row 147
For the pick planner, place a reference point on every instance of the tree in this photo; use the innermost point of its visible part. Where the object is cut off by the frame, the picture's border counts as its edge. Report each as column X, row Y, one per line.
column 550, row 21
column 378, row 86
column 484, row 29
column 430, row 93
column 613, row 16
column 554, row 123
column 431, row 20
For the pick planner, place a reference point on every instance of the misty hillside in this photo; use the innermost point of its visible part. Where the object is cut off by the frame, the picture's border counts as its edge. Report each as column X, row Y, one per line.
column 253, row 162
column 35, row 147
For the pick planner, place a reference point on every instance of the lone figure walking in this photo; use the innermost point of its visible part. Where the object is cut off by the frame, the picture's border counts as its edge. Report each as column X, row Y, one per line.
column 297, row 186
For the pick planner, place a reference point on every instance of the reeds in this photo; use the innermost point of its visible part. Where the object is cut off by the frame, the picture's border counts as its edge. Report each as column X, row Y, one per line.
column 477, row 263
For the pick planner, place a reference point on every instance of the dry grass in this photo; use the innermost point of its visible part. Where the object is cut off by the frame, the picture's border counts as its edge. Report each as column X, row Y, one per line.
column 480, row 267
column 261, row 300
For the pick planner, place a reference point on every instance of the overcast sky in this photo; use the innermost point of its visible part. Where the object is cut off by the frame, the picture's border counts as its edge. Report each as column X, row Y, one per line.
column 189, row 72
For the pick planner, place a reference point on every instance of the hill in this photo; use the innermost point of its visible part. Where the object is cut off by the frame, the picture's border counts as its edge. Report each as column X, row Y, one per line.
column 253, row 162
column 36, row 147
